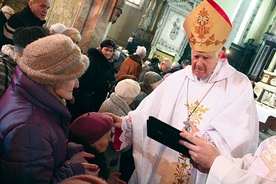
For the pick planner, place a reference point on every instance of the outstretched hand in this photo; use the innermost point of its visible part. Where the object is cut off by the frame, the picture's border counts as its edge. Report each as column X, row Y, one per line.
column 80, row 156
column 117, row 121
column 203, row 153
column 91, row 169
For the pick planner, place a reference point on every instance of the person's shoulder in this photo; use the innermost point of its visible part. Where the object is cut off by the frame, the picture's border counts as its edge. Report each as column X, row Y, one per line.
column 17, row 20
column 92, row 50
column 94, row 54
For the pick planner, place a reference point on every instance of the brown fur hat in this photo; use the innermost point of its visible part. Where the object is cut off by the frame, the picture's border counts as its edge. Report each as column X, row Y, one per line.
column 53, row 59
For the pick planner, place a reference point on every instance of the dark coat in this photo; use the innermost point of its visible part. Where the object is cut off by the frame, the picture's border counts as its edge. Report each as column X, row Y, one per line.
column 3, row 21
column 94, row 84
column 146, row 89
column 24, row 18
column 153, row 68
column 121, row 161
column 99, row 158
column 34, row 125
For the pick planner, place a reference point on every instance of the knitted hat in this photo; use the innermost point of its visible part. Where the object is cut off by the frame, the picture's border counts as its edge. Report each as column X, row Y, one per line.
column 26, row 35
column 73, row 33
column 207, row 27
column 91, row 126
column 127, row 89
column 151, row 77
column 58, row 27
column 70, row 30
column 52, row 59
column 141, row 50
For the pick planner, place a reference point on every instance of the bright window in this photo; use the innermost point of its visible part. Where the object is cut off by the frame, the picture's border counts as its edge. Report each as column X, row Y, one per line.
column 136, row 2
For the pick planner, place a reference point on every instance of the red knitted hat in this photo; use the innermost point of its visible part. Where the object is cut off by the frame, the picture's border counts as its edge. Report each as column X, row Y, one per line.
column 91, row 126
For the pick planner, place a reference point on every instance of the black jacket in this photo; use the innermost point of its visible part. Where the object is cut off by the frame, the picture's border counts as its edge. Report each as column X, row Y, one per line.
column 24, row 18
column 93, row 85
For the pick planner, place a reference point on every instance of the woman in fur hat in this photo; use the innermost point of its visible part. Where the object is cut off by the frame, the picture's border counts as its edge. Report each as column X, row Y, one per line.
column 34, row 120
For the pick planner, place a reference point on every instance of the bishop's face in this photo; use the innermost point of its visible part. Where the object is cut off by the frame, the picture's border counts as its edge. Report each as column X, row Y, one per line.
column 204, row 63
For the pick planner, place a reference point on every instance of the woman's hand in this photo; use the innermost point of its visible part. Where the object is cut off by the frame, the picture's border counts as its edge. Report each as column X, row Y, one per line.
column 91, row 169
column 114, row 178
column 80, row 156
column 203, row 153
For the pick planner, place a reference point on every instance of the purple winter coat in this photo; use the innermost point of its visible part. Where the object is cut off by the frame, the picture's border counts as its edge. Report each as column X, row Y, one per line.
column 34, row 125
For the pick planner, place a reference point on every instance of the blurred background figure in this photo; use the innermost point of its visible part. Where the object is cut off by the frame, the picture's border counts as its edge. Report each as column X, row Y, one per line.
column 151, row 81
column 131, row 44
column 10, row 53
column 180, row 66
column 118, row 103
column 93, row 131
column 160, row 68
column 123, row 55
column 174, row 64
column 149, row 63
column 73, row 33
column 116, row 56
column 185, row 63
column 132, row 65
column 5, row 13
column 33, row 15
column 57, row 28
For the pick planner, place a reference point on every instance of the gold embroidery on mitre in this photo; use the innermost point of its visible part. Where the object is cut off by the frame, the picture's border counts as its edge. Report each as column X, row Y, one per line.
column 183, row 168
column 203, row 25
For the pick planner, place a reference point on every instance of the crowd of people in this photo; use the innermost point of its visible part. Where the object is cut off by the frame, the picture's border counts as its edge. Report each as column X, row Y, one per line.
column 70, row 117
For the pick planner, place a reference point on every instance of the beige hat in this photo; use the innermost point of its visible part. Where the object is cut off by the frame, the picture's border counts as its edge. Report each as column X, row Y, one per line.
column 207, row 27
column 58, row 27
column 70, row 30
column 73, row 33
column 52, row 59
column 127, row 89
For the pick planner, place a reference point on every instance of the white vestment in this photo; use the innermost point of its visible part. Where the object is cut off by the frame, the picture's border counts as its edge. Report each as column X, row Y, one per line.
column 252, row 168
column 227, row 113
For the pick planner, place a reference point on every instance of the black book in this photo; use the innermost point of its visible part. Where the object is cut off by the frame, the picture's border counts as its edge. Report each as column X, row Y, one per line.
column 166, row 134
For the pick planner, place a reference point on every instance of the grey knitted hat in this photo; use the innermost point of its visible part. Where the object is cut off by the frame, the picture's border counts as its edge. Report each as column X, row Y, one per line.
column 151, row 77
column 52, row 59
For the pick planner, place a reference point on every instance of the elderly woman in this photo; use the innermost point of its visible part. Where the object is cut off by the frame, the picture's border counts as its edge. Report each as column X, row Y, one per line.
column 34, row 121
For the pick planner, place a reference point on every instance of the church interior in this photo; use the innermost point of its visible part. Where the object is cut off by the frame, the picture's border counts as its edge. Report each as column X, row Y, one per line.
column 157, row 25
